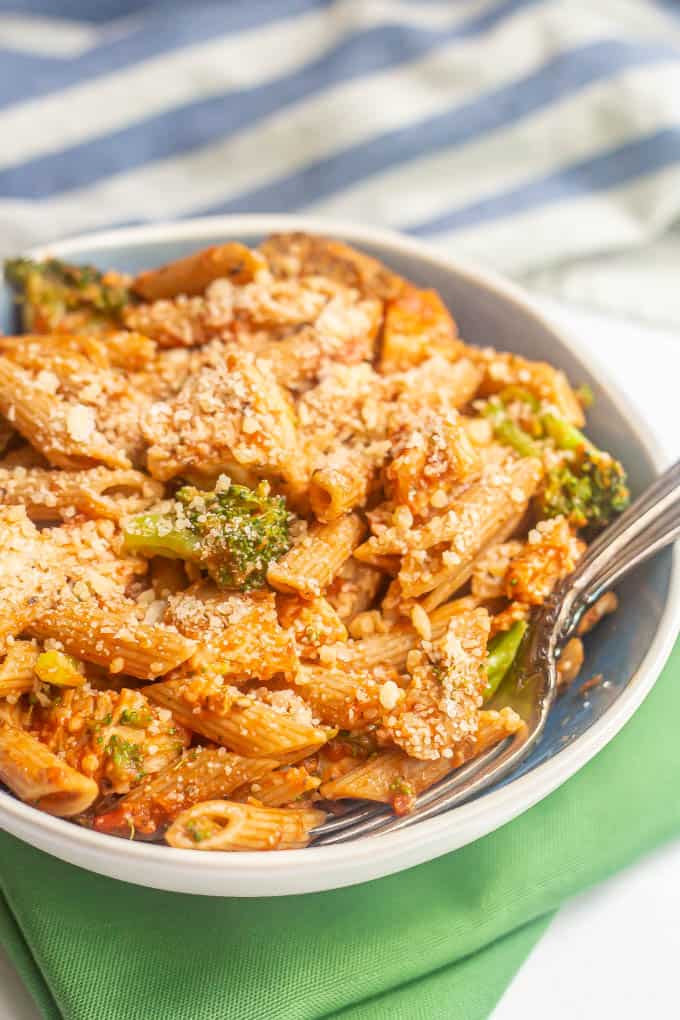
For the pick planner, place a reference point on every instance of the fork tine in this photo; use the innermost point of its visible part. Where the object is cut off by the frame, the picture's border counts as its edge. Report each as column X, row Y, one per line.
column 340, row 822
column 377, row 819
column 490, row 773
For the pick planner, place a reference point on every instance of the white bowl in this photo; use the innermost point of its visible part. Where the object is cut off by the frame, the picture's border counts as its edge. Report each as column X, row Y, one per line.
column 632, row 648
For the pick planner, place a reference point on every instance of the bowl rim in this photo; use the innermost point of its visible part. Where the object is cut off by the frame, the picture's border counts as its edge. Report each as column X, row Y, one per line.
column 330, row 867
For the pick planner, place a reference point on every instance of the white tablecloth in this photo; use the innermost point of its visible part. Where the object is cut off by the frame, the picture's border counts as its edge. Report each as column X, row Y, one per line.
column 613, row 951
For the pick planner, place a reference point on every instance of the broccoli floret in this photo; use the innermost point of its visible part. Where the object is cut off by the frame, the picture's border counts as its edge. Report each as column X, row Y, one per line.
column 589, row 488
column 234, row 532
column 506, row 429
column 509, row 433
column 586, row 485
column 52, row 289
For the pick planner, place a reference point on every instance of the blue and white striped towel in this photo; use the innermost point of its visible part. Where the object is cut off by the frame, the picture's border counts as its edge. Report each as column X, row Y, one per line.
column 541, row 136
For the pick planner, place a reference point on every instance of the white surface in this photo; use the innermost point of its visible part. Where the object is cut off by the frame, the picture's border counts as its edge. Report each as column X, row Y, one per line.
column 612, row 951
column 330, row 867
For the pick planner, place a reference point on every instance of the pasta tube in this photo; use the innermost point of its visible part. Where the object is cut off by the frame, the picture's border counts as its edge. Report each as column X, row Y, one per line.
column 17, row 669
column 192, row 274
column 239, row 721
column 39, row 777
column 203, row 773
column 64, row 431
column 313, row 563
column 392, row 773
column 226, row 825
column 277, row 789
column 100, row 492
column 112, row 638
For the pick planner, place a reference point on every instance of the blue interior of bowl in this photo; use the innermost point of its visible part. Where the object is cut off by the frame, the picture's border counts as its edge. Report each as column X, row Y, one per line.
column 618, row 645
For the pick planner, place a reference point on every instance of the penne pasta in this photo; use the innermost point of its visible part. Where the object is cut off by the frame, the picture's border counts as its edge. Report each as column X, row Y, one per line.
column 458, row 577
column 226, row 825
column 280, row 788
column 49, row 495
column 64, row 431
column 312, row 564
column 112, row 638
column 39, row 777
column 237, row 634
column 452, row 541
column 313, row 624
column 417, row 325
column 17, row 670
column 231, row 418
column 344, row 331
column 302, row 255
column 354, row 588
column 347, row 699
column 242, row 722
column 203, row 773
column 391, row 775
column 392, row 647
column 437, row 385
column 192, row 274
column 343, row 481
column 29, row 573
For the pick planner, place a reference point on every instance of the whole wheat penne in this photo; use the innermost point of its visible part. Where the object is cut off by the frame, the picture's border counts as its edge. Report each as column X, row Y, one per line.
column 346, row 699
column 301, row 255
column 17, row 668
column 417, row 324
column 29, row 572
column 39, row 777
column 298, row 360
column 313, row 563
column 203, row 773
column 461, row 574
column 437, row 384
column 231, row 417
column 392, row 773
column 242, row 723
column 452, row 542
column 237, row 633
column 64, row 431
column 313, row 624
column 392, row 648
column 192, row 274
column 342, row 483
column 48, row 495
column 354, row 588
column 226, row 825
column 112, row 638
column 279, row 788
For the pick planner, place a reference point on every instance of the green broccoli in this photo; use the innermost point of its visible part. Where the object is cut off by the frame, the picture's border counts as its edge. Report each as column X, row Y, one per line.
column 234, row 532
column 589, row 487
column 508, row 431
column 502, row 651
column 586, row 485
column 52, row 289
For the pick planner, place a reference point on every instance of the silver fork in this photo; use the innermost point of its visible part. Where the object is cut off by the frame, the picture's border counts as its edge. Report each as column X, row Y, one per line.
column 650, row 523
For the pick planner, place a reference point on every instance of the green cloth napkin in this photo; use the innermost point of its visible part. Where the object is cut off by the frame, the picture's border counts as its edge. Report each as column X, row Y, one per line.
column 439, row 942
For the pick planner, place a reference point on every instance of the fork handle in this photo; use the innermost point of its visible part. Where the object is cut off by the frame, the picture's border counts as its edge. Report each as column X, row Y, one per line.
column 649, row 524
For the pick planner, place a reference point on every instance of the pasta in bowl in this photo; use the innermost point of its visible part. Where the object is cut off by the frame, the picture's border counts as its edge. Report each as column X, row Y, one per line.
column 273, row 531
